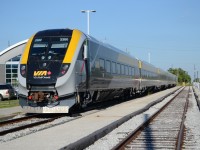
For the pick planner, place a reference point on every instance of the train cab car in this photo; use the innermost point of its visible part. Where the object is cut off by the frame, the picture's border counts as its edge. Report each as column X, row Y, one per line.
column 47, row 71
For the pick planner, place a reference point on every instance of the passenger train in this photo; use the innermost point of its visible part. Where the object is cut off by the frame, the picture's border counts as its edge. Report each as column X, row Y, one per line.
column 62, row 68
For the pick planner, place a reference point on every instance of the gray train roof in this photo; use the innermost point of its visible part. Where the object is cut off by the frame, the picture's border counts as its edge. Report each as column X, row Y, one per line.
column 109, row 46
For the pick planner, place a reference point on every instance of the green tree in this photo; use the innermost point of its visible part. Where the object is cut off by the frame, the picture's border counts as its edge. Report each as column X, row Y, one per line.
column 182, row 75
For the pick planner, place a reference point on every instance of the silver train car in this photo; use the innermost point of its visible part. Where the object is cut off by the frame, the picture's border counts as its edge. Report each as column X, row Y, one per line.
column 62, row 68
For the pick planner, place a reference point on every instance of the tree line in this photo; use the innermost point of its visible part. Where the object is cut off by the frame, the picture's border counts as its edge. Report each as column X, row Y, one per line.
column 182, row 75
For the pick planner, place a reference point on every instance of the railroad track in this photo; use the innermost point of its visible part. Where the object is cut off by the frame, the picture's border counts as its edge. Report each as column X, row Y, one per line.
column 14, row 125
column 197, row 98
column 39, row 119
column 19, row 124
column 76, row 115
column 22, row 123
column 164, row 130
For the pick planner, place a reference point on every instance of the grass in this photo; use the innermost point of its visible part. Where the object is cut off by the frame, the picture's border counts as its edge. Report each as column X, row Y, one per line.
column 9, row 103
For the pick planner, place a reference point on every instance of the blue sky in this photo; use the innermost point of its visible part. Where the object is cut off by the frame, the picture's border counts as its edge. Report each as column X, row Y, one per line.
column 167, row 29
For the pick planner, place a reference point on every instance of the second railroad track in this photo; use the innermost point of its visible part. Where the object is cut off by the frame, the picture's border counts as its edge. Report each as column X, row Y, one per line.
column 164, row 130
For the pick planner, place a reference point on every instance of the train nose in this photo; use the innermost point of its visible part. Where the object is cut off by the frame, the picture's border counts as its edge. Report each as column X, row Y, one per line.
column 43, row 72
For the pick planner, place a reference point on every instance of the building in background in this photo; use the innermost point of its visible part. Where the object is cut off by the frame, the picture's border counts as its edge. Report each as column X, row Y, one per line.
column 9, row 60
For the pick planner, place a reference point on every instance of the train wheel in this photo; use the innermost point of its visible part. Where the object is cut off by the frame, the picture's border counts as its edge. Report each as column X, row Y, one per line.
column 80, row 100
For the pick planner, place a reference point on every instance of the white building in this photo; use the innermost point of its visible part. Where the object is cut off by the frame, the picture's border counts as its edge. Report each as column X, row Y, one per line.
column 9, row 60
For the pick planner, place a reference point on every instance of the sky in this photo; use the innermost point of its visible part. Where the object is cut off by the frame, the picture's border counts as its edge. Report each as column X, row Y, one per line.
column 164, row 32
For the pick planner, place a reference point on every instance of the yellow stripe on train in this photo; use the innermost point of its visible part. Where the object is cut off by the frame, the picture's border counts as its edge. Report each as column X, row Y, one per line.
column 76, row 35
column 26, row 51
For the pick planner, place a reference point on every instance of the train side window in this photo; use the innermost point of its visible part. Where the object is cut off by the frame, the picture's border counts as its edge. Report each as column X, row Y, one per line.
column 126, row 70
column 118, row 68
column 143, row 74
column 146, row 74
column 133, row 71
column 152, row 75
column 129, row 71
column 108, row 68
column 122, row 69
column 97, row 63
column 136, row 72
column 113, row 67
column 102, row 64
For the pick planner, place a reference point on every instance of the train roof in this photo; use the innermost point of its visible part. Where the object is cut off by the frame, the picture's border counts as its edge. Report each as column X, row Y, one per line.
column 55, row 32
column 109, row 46
column 147, row 63
column 152, row 67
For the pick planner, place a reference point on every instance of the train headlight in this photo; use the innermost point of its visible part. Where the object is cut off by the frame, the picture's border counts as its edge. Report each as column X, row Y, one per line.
column 63, row 70
column 23, row 70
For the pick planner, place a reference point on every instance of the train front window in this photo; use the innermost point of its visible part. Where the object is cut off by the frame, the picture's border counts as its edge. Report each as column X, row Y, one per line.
column 49, row 48
column 39, row 49
column 58, row 47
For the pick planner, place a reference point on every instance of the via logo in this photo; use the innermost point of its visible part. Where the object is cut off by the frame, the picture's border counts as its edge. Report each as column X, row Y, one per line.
column 40, row 73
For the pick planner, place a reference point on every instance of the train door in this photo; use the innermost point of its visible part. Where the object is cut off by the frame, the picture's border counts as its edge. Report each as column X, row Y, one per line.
column 87, row 62
column 83, row 76
column 82, row 70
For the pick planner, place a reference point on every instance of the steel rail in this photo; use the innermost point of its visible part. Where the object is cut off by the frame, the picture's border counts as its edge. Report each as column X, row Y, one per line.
column 4, row 132
column 3, row 123
column 182, row 127
column 121, row 145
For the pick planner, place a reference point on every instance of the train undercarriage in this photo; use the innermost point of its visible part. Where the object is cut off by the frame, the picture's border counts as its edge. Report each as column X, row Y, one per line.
column 49, row 101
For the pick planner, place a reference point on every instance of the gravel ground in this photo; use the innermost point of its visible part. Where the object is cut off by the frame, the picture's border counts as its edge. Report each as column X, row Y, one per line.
column 12, row 136
column 19, row 124
column 192, row 123
column 10, row 111
column 62, row 120
column 113, row 138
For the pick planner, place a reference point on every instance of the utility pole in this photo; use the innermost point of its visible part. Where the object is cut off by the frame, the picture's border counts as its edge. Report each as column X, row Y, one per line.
column 88, row 19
